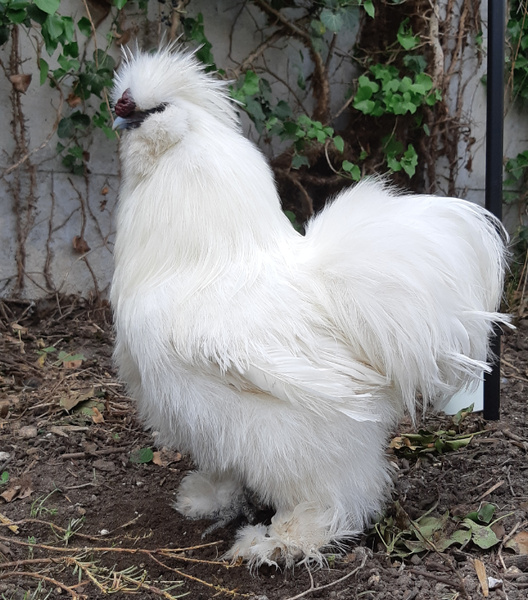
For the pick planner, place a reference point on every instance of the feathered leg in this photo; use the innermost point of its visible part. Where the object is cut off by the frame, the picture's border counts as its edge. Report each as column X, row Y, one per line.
column 217, row 496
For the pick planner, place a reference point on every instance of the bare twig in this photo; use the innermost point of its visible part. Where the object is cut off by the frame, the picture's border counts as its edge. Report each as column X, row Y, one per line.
column 313, row 588
column 177, row 11
column 54, row 582
column 320, row 84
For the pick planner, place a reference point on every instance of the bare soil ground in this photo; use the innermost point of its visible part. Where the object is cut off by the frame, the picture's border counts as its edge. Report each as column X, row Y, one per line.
column 82, row 516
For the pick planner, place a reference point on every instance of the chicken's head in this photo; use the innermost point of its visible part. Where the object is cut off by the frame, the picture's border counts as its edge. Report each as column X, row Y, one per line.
column 167, row 87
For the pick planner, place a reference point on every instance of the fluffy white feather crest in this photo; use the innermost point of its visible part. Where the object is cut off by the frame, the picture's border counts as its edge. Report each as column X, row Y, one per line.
column 172, row 74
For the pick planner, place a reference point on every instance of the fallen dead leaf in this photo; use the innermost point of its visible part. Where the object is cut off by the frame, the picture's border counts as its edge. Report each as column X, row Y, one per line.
column 104, row 465
column 97, row 416
column 5, row 520
column 158, row 460
column 518, row 543
column 28, row 431
column 76, row 397
column 26, row 487
column 165, row 457
column 21, row 488
column 482, row 577
column 498, row 529
column 89, row 447
column 72, row 364
column 17, row 327
column 10, row 494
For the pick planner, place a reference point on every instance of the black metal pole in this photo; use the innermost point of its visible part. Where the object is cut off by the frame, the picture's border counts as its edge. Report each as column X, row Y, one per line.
column 494, row 158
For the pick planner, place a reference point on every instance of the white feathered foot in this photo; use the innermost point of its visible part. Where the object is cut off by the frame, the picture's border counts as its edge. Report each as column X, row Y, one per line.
column 213, row 496
column 294, row 537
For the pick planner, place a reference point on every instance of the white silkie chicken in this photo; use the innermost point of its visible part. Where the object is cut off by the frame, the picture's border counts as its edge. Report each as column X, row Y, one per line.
column 282, row 362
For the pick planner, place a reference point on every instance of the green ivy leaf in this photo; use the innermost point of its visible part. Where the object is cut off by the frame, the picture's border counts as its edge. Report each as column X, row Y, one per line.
column 254, row 109
column 48, row 6
column 481, row 535
column 352, row 169
column 485, row 514
column 4, row 34
column 16, row 16
column 409, row 160
column 71, row 49
column 66, row 128
column 44, row 69
column 283, row 110
column 53, row 26
column 85, row 26
column 332, row 20
column 339, row 143
column 69, row 28
column 251, row 83
column 119, row 4
column 35, row 14
column 142, row 455
column 405, row 36
column 369, row 8
column 298, row 161
column 350, row 15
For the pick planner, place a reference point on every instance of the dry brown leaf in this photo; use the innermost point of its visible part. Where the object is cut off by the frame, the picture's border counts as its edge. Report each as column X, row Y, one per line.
column 518, row 543
column 75, row 397
column 165, row 457
column 482, row 577
column 89, row 447
column 10, row 494
column 72, row 364
column 158, row 460
column 17, row 327
column 498, row 529
column 123, row 38
column 80, row 245
column 5, row 520
column 20, row 81
column 97, row 416
column 73, row 100
column 26, row 487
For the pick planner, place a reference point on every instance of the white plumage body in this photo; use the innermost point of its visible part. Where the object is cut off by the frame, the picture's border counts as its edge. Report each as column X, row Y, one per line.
column 281, row 362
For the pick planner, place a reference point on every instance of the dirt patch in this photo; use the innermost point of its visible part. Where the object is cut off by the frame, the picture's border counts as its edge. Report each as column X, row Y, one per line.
column 92, row 518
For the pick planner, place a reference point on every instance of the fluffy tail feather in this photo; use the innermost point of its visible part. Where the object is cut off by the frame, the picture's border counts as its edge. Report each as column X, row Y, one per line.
column 415, row 284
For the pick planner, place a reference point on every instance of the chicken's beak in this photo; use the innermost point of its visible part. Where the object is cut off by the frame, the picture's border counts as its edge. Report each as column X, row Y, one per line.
column 120, row 123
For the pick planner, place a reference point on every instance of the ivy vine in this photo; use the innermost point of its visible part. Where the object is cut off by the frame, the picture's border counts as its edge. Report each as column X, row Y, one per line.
column 394, row 88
